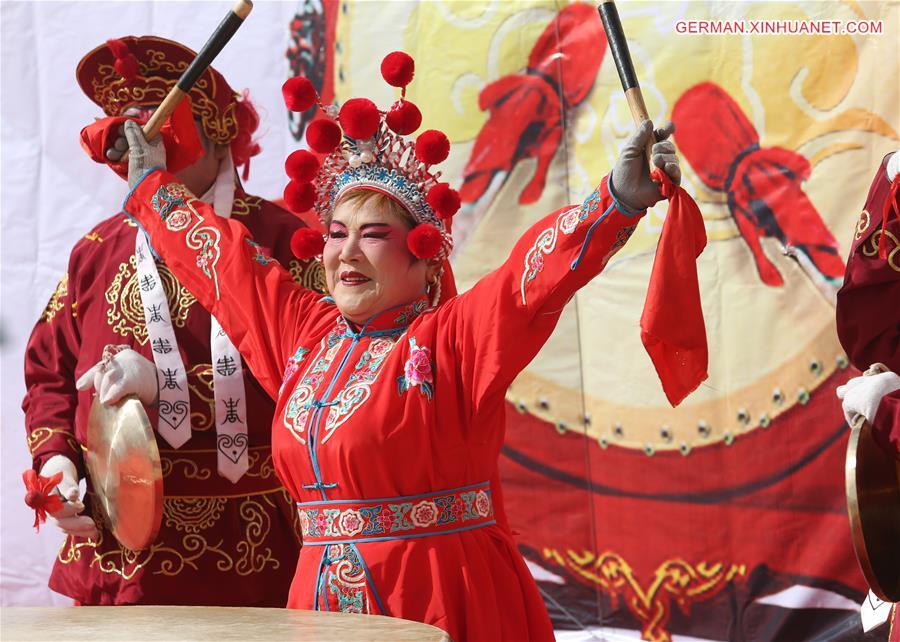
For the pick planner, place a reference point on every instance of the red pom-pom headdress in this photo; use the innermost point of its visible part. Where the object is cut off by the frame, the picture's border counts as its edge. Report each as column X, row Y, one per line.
column 365, row 148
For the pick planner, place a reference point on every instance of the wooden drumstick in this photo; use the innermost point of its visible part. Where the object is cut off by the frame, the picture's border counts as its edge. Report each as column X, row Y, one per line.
column 615, row 37
column 220, row 37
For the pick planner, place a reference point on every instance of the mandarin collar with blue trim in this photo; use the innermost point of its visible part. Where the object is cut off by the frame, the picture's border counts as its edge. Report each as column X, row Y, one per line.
column 391, row 321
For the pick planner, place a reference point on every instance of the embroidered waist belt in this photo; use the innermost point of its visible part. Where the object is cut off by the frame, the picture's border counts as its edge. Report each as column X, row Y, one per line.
column 372, row 520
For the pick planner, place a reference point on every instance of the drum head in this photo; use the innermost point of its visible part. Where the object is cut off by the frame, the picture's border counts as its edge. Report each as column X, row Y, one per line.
column 126, row 475
column 873, row 501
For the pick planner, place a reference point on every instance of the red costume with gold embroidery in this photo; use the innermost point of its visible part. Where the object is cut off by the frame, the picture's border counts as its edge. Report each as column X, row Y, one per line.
column 389, row 433
column 868, row 309
column 220, row 543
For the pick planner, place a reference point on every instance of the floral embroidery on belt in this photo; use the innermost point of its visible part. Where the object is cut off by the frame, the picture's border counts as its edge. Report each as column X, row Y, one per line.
column 398, row 517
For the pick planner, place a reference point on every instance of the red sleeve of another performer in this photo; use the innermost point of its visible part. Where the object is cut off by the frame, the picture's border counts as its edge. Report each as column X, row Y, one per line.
column 886, row 426
column 868, row 304
column 50, row 360
column 264, row 312
column 505, row 319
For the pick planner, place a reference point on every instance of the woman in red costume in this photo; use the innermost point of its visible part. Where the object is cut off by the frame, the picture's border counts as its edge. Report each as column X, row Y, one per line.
column 390, row 391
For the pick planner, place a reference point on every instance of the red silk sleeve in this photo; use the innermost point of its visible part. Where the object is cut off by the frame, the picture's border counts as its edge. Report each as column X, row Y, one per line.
column 50, row 359
column 264, row 312
column 505, row 319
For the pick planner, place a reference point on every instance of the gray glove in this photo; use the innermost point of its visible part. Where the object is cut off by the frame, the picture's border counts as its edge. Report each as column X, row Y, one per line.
column 142, row 155
column 630, row 178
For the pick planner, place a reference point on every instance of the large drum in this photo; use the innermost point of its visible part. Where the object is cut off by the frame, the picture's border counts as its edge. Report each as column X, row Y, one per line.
column 187, row 623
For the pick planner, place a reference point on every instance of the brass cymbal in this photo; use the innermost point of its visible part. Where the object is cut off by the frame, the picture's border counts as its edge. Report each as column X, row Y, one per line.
column 126, row 475
column 873, row 502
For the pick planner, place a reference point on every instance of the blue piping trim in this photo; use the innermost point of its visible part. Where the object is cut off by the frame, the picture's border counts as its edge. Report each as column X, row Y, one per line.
column 587, row 237
column 317, row 585
column 142, row 230
column 618, row 202
column 387, row 539
column 369, row 580
column 317, row 416
column 392, row 499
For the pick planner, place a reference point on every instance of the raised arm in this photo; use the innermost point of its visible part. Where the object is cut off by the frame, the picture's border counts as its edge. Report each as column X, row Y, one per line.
column 253, row 297
column 505, row 319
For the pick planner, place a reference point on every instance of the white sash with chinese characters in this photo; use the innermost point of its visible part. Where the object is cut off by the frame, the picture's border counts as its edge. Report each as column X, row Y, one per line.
column 232, row 441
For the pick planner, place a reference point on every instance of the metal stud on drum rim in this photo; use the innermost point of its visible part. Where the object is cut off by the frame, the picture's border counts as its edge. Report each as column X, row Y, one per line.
column 126, row 474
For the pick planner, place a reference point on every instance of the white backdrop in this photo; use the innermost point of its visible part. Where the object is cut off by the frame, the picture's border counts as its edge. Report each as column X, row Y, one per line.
column 51, row 193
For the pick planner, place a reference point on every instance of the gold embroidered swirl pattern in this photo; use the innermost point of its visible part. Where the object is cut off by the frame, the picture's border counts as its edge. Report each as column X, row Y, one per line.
column 191, row 469
column 171, row 558
column 309, row 274
column 125, row 310
column 56, row 303
column 115, row 94
column 862, row 224
column 870, row 248
column 266, row 468
column 675, row 581
column 246, row 205
column 200, row 381
column 193, row 515
column 255, row 557
column 41, row 435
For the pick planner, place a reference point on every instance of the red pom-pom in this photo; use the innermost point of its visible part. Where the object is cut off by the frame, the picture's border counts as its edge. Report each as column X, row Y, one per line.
column 424, row 241
column 302, row 166
column 359, row 118
column 432, row 147
column 398, row 68
column 307, row 243
column 323, row 135
column 404, row 117
column 444, row 200
column 127, row 67
column 299, row 93
column 299, row 196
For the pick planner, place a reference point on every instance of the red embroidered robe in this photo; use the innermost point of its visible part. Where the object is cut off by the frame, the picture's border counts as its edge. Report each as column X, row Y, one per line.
column 389, row 434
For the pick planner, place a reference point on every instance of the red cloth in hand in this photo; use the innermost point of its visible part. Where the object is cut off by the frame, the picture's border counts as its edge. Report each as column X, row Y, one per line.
column 763, row 184
column 672, row 327
column 179, row 134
